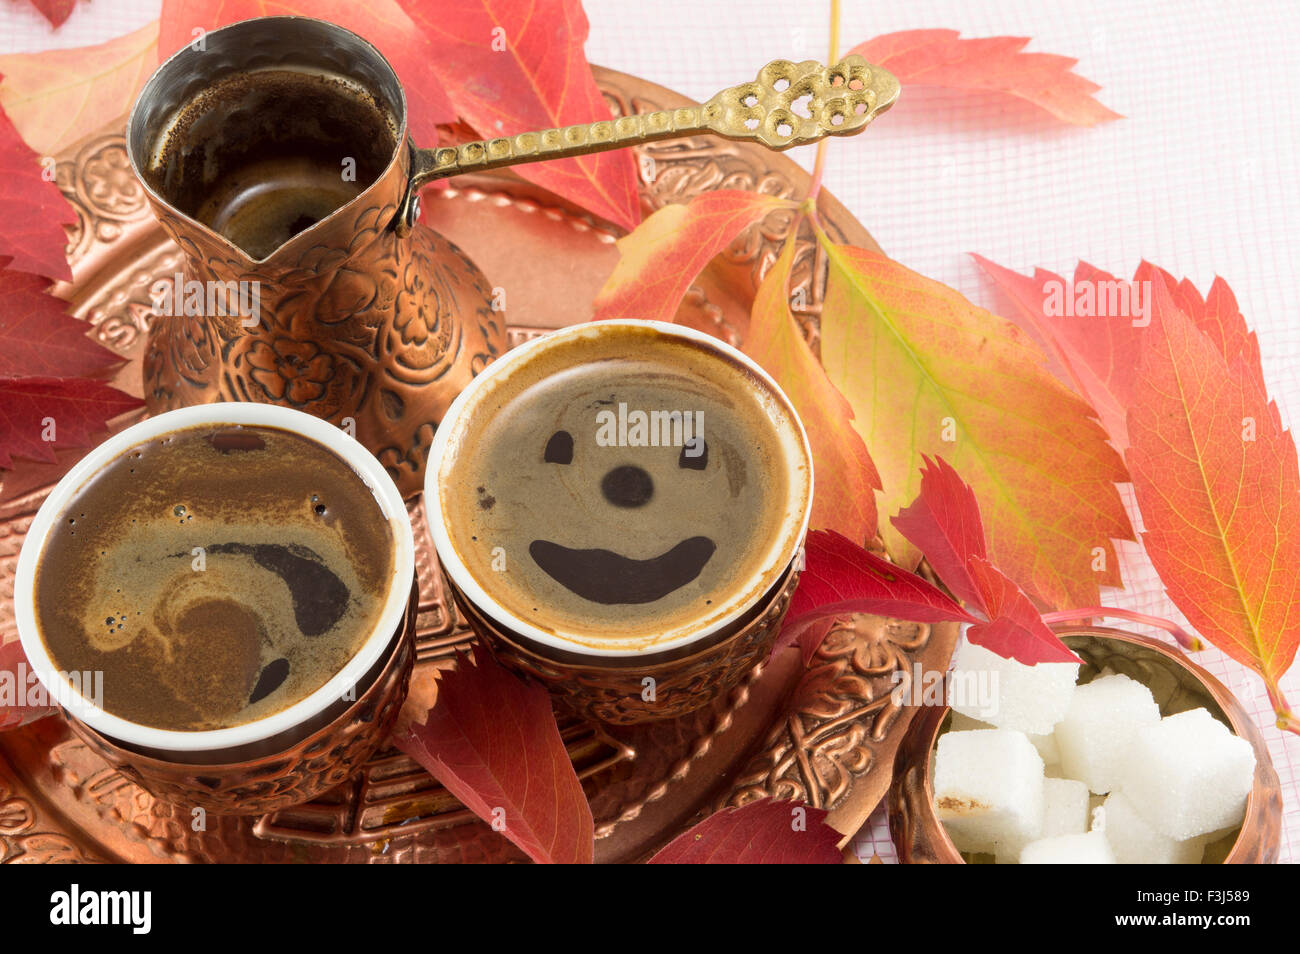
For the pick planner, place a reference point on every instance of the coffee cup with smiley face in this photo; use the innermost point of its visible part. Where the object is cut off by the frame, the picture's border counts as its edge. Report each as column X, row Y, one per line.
column 619, row 509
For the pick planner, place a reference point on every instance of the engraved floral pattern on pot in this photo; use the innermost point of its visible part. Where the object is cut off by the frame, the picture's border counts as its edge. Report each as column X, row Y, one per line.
column 422, row 331
column 290, row 371
column 353, row 304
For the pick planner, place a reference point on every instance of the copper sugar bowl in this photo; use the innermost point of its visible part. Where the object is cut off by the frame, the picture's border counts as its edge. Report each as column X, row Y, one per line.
column 1177, row 684
column 275, row 152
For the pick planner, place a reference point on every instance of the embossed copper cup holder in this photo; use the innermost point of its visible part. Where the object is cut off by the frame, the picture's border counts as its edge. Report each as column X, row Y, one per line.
column 612, row 691
column 378, row 320
column 1177, row 683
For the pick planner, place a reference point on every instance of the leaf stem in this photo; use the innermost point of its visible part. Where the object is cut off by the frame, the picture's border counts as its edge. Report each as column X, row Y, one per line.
column 1185, row 639
column 820, row 161
column 1286, row 719
column 809, row 208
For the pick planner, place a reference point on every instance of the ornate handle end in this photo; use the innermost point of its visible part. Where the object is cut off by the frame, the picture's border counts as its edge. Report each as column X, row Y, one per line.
column 792, row 104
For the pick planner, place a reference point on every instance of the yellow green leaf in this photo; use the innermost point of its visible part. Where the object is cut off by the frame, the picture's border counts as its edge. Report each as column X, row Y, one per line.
column 58, row 97
column 844, row 477
column 928, row 372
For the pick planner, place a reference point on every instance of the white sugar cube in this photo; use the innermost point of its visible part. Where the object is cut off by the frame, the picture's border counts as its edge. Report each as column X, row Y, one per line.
column 1045, row 744
column 1134, row 842
column 988, row 789
column 1065, row 810
column 1086, row 849
column 1009, row 694
column 1100, row 726
column 1188, row 775
column 1047, row 748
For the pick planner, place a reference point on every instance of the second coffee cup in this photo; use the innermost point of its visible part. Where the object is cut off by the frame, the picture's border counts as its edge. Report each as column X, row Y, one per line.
column 620, row 508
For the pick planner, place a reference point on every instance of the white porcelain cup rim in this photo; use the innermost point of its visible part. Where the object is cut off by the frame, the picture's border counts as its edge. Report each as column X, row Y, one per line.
column 491, row 608
column 362, row 462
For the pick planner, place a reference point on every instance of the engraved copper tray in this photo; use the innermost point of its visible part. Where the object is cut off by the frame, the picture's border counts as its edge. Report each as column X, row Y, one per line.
column 825, row 734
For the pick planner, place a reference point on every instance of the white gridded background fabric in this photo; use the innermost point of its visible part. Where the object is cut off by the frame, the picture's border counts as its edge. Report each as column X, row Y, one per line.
column 1196, row 178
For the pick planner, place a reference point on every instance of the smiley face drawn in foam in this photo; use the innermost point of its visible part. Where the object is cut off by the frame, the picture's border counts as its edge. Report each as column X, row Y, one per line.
column 605, row 576
column 618, row 539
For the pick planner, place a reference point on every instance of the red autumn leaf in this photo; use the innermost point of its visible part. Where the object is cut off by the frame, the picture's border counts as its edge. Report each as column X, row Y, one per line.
column 944, row 522
column 765, row 832
column 32, row 210
column 665, row 253
column 991, row 64
column 37, row 337
column 1094, row 325
column 382, row 22
column 56, row 11
column 840, row 578
column 846, row 479
column 514, row 66
column 15, row 673
column 1218, row 485
column 1015, row 629
column 492, row 741
column 1098, row 352
column 70, row 411
column 1217, row 315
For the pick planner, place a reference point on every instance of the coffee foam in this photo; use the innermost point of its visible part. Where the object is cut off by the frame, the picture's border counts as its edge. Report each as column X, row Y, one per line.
column 119, row 587
column 517, row 519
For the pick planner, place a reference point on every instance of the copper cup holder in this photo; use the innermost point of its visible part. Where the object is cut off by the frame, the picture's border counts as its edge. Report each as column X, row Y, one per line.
column 628, row 690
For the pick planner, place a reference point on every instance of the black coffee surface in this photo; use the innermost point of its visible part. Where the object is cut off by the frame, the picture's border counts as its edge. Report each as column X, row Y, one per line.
column 215, row 575
column 261, row 155
column 583, row 523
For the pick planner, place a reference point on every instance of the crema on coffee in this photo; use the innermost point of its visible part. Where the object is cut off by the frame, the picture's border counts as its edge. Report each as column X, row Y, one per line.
column 622, row 485
column 215, row 575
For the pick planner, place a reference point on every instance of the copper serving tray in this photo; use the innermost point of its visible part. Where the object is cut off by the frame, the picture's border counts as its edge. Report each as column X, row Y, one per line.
column 825, row 734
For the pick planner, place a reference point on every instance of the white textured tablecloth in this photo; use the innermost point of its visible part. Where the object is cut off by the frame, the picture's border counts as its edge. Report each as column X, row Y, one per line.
column 1200, row 177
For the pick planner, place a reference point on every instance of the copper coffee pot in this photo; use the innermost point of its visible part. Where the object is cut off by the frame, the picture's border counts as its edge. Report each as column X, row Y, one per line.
column 349, row 309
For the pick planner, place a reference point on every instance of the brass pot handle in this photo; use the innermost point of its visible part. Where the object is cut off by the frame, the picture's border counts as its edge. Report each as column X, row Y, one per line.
column 840, row 101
